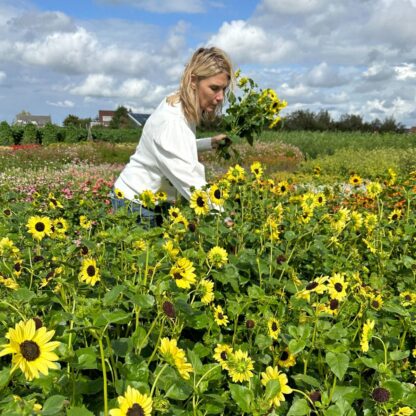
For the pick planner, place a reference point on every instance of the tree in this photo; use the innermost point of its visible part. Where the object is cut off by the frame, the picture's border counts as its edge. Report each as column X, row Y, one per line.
column 75, row 121
column 121, row 119
column 31, row 134
column 6, row 134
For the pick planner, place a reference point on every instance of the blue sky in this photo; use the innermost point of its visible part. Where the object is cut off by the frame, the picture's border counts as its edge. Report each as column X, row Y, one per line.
column 77, row 57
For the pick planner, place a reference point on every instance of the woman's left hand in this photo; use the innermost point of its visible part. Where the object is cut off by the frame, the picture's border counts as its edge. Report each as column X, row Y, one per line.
column 216, row 140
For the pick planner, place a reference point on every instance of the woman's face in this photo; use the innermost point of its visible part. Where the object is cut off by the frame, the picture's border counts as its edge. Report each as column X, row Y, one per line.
column 211, row 91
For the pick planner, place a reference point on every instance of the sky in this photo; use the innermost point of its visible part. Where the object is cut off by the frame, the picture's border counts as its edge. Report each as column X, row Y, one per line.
column 80, row 56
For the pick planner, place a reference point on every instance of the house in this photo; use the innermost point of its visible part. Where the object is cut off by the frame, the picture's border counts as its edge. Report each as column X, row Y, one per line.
column 139, row 118
column 24, row 118
column 105, row 117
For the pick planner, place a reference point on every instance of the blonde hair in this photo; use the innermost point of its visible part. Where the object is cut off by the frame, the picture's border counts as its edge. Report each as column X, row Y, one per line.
column 204, row 63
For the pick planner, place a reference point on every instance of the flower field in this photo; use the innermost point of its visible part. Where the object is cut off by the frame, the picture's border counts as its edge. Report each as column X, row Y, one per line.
column 306, row 305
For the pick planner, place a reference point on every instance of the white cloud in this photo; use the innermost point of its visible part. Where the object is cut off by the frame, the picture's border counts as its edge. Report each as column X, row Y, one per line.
column 288, row 7
column 248, row 43
column 162, row 6
column 62, row 104
column 405, row 72
column 96, row 85
column 324, row 76
column 3, row 76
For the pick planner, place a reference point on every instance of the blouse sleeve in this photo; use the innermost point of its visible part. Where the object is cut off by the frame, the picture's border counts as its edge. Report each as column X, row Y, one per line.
column 204, row 144
column 177, row 157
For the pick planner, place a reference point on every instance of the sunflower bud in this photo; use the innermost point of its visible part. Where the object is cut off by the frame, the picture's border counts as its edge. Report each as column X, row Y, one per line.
column 169, row 309
column 380, row 394
column 38, row 322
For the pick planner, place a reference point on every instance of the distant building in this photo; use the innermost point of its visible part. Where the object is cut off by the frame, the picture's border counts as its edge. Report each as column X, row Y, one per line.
column 105, row 117
column 139, row 118
column 24, row 118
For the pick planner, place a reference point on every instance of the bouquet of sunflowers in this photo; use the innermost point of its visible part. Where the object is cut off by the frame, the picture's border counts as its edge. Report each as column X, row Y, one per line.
column 249, row 114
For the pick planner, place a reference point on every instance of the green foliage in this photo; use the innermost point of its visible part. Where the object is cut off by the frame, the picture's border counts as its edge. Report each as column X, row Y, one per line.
column 31, row 134
column 75, row 121
column 6, row 134
column 121, row 120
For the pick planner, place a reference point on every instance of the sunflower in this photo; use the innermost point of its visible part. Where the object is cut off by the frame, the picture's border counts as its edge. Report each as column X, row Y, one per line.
column 133, row 403
column 274, row 122
column 119, row 193
column 147, row 199
column 60, row 225
column 320, row 199
column 337, row 287
column 31, row 348
column 235, row 174
column 218, row 194
column 376, row 302
column 374, row 189
column 219, row 316
column 17, row 268
column 274, row 327
column 89, row 273
column 39, row 227
column 355, row 180
column 222, row 353
column 217, row 257
column 240, row 366
column 53, row 202
column 175, row 356
column 7, row 212
column 404, row 411
column 286, row 359
column 139, row 245
column 9, row 283
column 199, row 202
column 281, row 188
column 183, row 273
column 84, row 222
column 395, row 215
column 272, row 373
column 256, row 169
column 161, row 196
column 7, row 247
column 357, row 220
column 366, row 334
column 174, row 212
column 207, row 288
column 170, row 248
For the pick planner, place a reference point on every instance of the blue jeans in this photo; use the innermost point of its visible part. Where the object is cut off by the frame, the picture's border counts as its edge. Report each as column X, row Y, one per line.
column 145, row 217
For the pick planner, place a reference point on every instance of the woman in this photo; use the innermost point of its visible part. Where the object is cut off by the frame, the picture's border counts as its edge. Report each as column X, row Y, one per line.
column 166, row 158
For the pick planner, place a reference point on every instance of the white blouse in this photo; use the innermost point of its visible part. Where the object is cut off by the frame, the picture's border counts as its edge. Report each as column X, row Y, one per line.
column 166, row 158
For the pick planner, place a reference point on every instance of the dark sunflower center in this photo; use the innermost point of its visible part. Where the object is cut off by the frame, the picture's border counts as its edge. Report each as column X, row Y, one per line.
column 220, row 315
column 375, row 304
column 84, row 250
column 320, row 199
column 59, row 225
column 394, row 217
column 338, row 287
column 177, row 276
column 54, row 202
column 217, row 194
column 408, row 297
column 7, row 212
column 40, row 226
column 284, row 355
column 311, row 286
column 223, row 355
column 333, row 304
column 256, row 171
column 283, row 188
column 174, row 214
column 91, row 270
column 17, row 267
column 30, row 350
column 135, row 410
column 200, row 202
column 274, row 326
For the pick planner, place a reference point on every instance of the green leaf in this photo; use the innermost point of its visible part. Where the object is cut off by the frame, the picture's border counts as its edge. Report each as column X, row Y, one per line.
column 263, row 341
column 338, row 363
column 395, row 388
column 111, row 296
column 299, row 408
column 53, row 405
column 143, row 300
column 399, row 355
column 4, row 377
column 195, row 361
column 304, row 378
column 272, row 388
column 79, row 411
column 296, row 345
column 23, row 295
column 370, row 362
column 243, row 396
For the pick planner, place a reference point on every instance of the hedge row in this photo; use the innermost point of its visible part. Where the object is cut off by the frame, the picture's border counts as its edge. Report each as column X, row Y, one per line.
column 30, row 134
